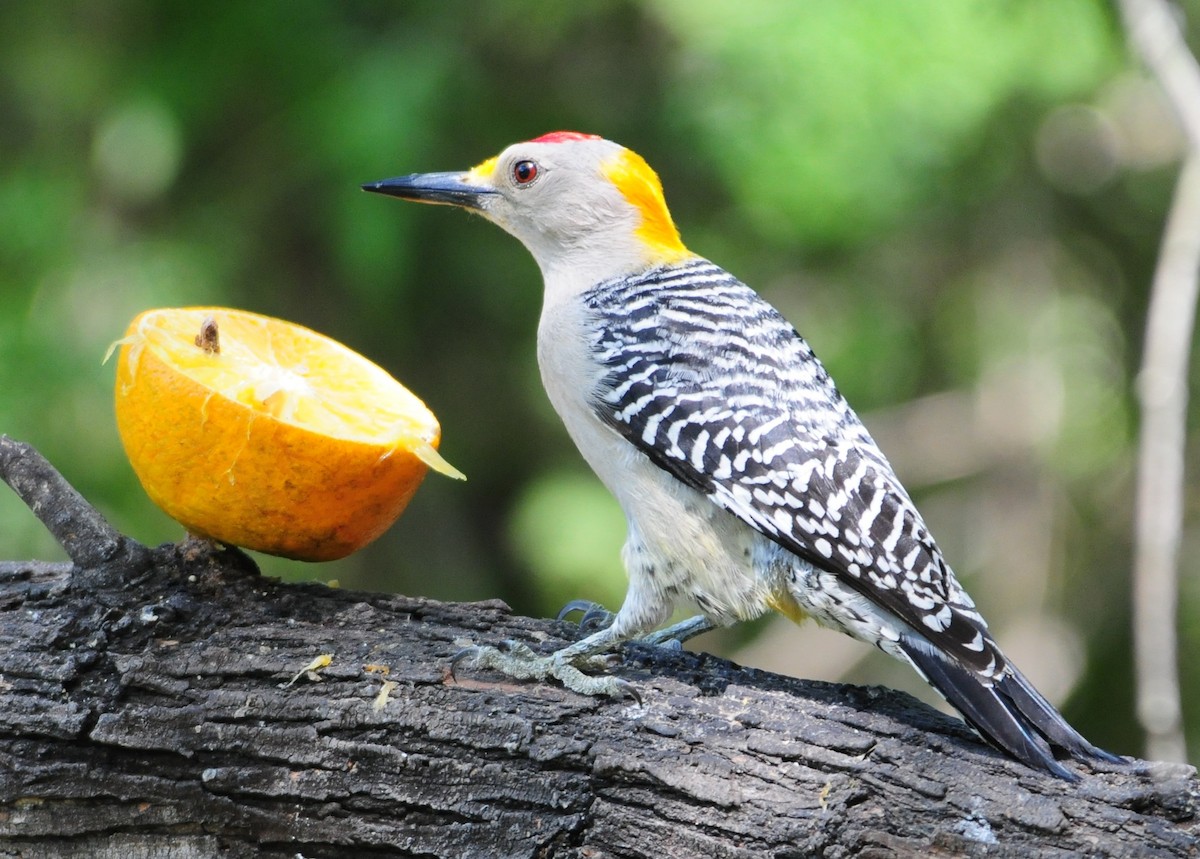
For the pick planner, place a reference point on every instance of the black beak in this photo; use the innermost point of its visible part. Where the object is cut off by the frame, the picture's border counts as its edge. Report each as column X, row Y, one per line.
column 448, row 189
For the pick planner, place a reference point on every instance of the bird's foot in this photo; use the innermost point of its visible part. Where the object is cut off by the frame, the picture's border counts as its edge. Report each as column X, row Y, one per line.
column 595, row 616
column 519, row 662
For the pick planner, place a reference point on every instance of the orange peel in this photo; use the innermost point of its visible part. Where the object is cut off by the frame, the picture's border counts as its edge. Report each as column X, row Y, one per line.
column 263, row 434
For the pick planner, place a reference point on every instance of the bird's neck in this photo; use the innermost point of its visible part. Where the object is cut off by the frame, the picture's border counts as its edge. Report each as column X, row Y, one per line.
column 570, row 274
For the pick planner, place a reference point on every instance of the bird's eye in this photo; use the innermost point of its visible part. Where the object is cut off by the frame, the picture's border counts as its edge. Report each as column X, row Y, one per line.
column 524, row 172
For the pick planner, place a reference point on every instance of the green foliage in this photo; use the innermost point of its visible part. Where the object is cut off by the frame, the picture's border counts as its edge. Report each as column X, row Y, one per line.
column 566, row 527
column 831, row 121
column 958, row 203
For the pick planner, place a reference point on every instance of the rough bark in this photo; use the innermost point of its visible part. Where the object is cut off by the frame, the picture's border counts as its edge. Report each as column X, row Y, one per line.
column 146, row 710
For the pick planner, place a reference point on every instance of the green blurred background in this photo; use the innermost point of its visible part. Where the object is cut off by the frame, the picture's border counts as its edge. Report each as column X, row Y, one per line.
column 959, row 204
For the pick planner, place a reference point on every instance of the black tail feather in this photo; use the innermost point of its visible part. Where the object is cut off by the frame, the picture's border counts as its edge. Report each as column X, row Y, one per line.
column 1047, row 720
column 1009, row 713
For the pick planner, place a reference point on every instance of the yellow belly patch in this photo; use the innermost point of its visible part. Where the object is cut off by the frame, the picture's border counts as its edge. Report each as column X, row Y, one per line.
column 784, row 603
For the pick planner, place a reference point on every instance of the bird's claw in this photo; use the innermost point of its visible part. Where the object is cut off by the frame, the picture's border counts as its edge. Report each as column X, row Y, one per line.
column 624, row 687
column 595, row 616
column 574, row 605
column 465, row 653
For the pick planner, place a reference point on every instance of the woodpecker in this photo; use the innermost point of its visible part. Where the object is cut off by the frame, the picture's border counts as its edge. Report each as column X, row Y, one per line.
column 747, row 481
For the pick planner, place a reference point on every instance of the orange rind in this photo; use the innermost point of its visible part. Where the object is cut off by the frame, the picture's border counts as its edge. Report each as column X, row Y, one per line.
column 262, row 434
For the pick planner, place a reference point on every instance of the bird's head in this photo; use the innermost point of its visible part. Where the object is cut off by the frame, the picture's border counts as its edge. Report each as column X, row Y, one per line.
column 585, row 207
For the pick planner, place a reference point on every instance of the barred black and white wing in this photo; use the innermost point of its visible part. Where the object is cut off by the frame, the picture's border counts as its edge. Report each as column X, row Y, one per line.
column 718, row 389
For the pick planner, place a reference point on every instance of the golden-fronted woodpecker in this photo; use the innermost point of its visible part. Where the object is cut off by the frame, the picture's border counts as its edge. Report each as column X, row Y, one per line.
column 747, row 481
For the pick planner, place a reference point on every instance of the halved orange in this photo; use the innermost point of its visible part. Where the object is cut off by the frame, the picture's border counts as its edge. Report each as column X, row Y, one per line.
column 263, row 434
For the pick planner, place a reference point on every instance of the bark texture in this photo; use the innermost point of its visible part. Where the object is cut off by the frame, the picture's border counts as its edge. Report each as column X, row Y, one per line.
column 156, row 702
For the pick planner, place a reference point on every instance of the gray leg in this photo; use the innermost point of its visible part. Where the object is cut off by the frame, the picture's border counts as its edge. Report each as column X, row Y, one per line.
column 596, row 616
column 680, row 632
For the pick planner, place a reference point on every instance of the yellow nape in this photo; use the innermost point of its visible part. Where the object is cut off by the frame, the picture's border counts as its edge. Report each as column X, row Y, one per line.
column 483, row 172
column 639, row 184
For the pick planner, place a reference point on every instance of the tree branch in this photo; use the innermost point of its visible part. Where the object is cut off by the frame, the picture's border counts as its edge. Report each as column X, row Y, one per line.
column 88, row 539
column 183, row 711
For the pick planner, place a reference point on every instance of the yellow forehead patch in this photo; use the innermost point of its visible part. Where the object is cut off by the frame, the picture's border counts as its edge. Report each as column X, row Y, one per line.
column 640, row 186
column 483, row 172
